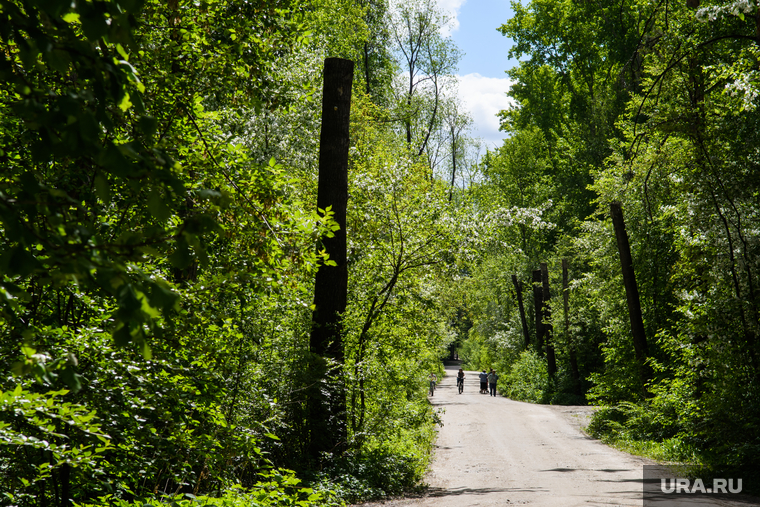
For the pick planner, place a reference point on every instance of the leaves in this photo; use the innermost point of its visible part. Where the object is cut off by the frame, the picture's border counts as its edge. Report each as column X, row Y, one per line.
column 158, row 247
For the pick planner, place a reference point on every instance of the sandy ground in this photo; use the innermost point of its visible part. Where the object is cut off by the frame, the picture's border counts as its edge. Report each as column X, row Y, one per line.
column 494, row 451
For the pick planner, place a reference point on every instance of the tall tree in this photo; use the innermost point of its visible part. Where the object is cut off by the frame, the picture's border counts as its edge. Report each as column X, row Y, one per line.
column 551, row 359
column 521, row 308
column 456, row 123
column 428, row 61
column 629, row 281
column 327, row 402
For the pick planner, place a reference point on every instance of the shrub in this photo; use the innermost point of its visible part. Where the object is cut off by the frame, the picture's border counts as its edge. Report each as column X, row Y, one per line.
column 527, row 379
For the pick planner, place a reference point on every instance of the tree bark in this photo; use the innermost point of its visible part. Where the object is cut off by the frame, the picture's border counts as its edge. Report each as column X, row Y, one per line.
column 518, row 290
column 453, row 162
column 551, row 360
column 537, row 305
column 366, row 67
column 327, row 399
column 574, row 373
column 629, row 280
column 64, row 473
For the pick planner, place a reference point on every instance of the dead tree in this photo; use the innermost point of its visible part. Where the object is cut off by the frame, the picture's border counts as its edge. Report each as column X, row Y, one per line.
column 551, row 360
column 327, row 400
column 631, row 288
column 537, row 305
column 574, row 373
column 521, row 307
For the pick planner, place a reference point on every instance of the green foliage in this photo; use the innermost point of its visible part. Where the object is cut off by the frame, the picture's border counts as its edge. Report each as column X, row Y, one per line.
column 670, row 137
column 278, row 488
column 157, row 260
column 377, row 473
column 639, row 430
column 690, row 209
column 527, row 379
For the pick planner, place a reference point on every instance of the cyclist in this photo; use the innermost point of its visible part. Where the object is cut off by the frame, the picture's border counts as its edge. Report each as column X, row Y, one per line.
column 460, row 380
column 433, row 379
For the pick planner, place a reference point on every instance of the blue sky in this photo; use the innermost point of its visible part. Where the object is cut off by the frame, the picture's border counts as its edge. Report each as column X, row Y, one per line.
column 482, row 80
column 484, row 47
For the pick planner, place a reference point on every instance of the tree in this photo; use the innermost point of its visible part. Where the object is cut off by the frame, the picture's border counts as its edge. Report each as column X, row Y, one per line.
column 428, row 61
column 456, row 124
column 327, row 410
column 629, row 280
column 398, row 235
column 117, row 179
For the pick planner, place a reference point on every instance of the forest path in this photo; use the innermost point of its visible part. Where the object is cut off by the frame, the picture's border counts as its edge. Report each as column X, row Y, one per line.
column 495, row 451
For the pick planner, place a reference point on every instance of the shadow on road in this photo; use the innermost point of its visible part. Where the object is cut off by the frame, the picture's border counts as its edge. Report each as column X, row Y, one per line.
column 609, row 470
column 447, row 403
column 441, row 492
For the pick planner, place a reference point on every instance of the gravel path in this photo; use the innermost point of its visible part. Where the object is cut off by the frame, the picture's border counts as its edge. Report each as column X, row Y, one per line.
column 494, row 451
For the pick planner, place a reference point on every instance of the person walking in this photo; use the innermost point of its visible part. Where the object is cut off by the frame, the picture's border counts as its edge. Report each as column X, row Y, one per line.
column 492, row 379
column 483, row 382
column 433, row 379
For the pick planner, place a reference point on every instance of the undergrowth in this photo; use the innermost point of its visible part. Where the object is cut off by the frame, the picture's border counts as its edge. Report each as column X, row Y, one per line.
column 641, row 431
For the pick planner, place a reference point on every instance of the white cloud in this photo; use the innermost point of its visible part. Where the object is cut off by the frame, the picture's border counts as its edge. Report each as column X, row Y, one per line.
column 452, row 8
column 484, row 97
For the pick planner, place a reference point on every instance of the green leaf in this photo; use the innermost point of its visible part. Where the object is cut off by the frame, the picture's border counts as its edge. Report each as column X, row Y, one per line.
column 19, row 262
column 157, row 205
column 148, row 125
column 181, row 257
column 163, row 297
column 71, row 378
column 103, row 188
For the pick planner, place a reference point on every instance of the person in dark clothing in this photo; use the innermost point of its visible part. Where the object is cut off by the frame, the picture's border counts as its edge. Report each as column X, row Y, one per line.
column 492, row 379
column 460, row 379
column 483, row 382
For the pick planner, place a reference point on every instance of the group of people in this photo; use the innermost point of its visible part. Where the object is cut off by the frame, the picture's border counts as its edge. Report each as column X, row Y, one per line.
column 487, row 381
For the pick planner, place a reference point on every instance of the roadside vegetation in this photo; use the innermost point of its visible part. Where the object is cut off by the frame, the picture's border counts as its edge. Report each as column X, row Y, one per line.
column 160, row 240
column 161, row 236
column 634, row 121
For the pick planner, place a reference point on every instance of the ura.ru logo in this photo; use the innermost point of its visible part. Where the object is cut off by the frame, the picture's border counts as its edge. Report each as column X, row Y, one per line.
column 676, row 485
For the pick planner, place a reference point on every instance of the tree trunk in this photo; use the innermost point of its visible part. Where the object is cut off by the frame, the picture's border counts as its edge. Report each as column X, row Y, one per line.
column 453, row 162
column 537, row 305
column 518, row 290
column 575, row 374
column 327, row 401
column 551, row 361
column 64, row 473
column 629, row 280
column 366, row 67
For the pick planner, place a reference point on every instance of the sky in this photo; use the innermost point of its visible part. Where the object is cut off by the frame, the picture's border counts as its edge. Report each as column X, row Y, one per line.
column 482, row 80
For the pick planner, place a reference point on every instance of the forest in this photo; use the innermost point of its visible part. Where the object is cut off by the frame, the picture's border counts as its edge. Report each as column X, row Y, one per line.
column 162, row 241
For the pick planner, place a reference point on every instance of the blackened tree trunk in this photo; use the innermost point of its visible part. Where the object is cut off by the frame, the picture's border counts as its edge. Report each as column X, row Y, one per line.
column 574, row 373
column 538, row 305
column 521, row 307
column 629, row 280
column 64, row 474
column 327, row 399
column 551, row 361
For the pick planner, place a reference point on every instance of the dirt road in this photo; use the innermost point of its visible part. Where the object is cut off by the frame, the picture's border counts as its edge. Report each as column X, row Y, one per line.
column 494, row 451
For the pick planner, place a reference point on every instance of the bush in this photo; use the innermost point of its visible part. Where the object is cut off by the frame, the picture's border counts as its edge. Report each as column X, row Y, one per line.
column 639, row 429
column 279, row 488
column 527, row 379
column 372, row 475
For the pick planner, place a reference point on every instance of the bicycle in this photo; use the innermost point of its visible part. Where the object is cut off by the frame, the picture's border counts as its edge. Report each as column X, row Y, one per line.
column 432, row 387
column 460, row 384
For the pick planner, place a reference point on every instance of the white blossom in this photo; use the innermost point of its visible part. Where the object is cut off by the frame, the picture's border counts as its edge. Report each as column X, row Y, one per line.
column 736, row 8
